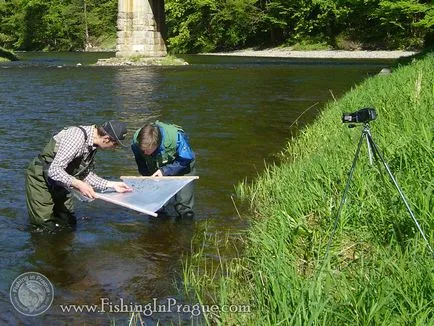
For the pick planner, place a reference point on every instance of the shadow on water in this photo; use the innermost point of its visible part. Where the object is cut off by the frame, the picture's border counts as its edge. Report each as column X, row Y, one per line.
column 237, row 113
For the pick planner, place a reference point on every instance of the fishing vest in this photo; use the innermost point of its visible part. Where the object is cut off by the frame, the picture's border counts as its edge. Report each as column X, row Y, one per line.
column 79, row 167
column 166, row 151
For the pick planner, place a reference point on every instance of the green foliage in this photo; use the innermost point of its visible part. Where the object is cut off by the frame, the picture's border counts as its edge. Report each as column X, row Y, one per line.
column 55, row 24
column 64, row 26
column 101, row 18
column 406, row 22
column 275, row 21
column 188, row 21
column 210, row 25
column 205, row 25
column 233, row 23
column 11, row 14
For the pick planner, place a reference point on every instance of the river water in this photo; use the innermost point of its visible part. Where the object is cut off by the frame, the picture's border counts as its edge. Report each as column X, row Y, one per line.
column 236, row 111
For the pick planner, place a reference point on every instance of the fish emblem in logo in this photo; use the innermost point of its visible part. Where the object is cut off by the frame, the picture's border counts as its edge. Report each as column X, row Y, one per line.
column 31, row 293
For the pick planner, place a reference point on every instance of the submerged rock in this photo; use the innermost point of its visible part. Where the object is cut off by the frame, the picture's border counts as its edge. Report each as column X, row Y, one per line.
column 385, row 71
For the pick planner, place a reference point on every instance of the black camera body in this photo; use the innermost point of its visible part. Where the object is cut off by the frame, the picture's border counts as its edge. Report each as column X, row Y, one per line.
column 362, row 116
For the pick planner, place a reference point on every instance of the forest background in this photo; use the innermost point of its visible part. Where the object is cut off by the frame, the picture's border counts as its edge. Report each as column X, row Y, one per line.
column 194, row 26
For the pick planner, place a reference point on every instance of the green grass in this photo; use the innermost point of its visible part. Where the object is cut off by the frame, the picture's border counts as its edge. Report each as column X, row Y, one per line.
column 309, row 45
column 379, row 270
column 107, row 42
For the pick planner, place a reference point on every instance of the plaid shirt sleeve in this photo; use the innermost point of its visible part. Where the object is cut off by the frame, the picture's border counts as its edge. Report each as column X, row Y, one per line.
column 71, row 144
column 96, row 181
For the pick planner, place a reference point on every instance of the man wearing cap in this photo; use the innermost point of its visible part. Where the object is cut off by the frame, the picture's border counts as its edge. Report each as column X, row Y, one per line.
column 67, row 163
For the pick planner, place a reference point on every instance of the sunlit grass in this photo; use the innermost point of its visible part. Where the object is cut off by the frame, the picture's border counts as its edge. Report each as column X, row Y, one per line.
column 310, row 46
column 379, row 270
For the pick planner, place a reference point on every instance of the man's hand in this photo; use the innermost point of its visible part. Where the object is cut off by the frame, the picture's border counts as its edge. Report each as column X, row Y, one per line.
column 85, row 188
column 119, row 186
column 157, row 173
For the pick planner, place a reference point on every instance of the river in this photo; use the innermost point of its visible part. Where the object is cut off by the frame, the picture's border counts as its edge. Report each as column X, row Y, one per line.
column 237, row 112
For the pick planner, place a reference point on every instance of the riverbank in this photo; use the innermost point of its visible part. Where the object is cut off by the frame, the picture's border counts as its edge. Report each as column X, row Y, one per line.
column 7, row 55
column 376, row 268
column 288, row 52
column 276, row 52
column 271, row 52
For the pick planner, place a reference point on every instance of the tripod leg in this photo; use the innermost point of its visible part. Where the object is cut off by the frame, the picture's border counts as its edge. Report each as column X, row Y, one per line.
column 370, row 153
column 347, row 186
column 378, row 154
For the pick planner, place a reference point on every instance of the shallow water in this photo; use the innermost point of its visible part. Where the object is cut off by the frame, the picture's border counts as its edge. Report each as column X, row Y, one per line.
column 236, row 111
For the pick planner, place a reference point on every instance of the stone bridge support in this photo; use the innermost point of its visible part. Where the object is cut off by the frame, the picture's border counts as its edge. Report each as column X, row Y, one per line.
column 141, row 26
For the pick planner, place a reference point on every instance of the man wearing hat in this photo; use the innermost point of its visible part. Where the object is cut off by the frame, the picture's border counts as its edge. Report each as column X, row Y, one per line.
column 67, row 163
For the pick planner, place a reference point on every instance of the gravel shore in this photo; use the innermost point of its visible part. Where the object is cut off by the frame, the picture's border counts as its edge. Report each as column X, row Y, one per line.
column 279, row 52
column 329, row 54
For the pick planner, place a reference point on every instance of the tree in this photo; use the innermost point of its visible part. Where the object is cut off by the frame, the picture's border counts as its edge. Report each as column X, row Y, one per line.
column 406, row 22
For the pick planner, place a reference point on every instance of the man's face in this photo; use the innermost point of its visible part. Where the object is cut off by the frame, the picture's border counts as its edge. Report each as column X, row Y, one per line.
column 149, row 150
column 108, row 142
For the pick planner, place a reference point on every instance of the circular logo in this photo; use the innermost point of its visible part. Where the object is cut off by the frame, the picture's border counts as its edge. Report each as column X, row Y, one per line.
column 31, row 293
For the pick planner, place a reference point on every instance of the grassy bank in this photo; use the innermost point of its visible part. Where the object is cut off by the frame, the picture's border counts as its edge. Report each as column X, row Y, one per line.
column 379, row 269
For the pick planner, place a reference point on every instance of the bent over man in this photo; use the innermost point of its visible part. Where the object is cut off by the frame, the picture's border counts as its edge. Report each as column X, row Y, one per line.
column 66, row 163
column 162, row 149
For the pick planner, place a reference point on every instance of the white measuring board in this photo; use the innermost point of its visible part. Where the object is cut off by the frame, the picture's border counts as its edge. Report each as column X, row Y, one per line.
column 149, row 193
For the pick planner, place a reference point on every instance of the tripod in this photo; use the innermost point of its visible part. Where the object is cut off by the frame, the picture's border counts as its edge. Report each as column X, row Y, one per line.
column 373, row 151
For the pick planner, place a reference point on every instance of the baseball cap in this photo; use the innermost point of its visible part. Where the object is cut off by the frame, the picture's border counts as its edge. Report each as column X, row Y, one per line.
column 116, row 130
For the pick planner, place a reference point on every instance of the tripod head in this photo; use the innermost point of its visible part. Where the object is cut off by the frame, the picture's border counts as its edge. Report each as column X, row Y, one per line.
column 365, row 125
column 363, row 116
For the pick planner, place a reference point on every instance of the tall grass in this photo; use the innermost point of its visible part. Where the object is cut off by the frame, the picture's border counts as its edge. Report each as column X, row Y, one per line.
column 379, row 270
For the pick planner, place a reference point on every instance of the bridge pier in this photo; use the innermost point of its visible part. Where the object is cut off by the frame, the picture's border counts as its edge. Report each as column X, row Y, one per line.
column 141, row 25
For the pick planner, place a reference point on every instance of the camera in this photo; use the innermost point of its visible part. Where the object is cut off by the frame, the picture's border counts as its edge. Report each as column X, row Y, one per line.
column 361, row 116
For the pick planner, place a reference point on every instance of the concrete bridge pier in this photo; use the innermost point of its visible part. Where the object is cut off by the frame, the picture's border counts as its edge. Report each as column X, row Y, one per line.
column 141, row 25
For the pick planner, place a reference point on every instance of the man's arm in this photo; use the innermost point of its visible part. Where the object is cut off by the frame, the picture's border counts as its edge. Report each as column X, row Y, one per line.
column 87, row 190
column 96, row 181
column 184, row 156
column 176, row 167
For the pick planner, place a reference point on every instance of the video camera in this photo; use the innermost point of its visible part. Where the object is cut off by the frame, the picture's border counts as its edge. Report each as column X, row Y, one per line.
column 361, row 116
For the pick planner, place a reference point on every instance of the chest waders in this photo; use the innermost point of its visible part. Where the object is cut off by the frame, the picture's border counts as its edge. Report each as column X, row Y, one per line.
column 47, row 201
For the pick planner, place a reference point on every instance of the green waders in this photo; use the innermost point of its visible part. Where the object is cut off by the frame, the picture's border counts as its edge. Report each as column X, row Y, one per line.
column 183, row 201
column 47, row 203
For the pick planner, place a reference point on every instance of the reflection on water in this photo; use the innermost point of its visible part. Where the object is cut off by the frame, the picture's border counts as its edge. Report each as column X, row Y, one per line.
column 237, row 113
column 137, row 93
